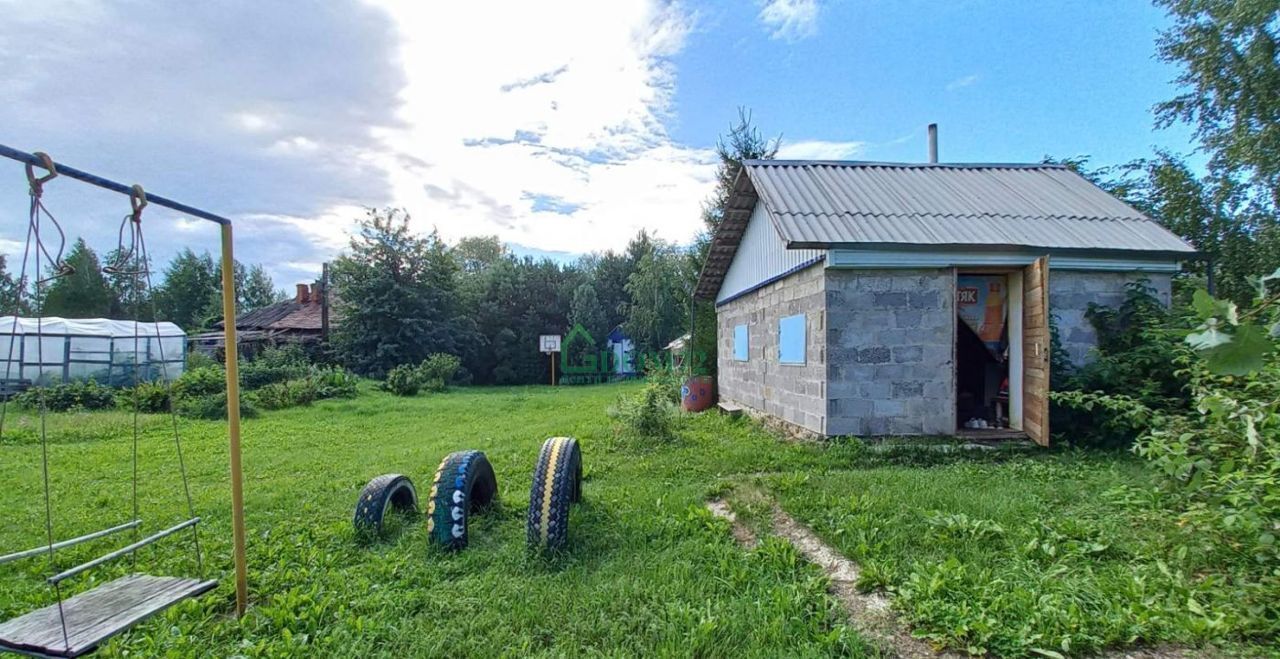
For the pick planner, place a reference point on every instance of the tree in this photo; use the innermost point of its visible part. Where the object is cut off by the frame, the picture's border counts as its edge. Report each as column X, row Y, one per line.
column 478, row 253
column 188, row 297
column 743, row 142
column 11, row 302
column 256, row 290
column 82, row 294
column 398, row 295
column 1230, row 83
column 130, row 297
column 659, row 298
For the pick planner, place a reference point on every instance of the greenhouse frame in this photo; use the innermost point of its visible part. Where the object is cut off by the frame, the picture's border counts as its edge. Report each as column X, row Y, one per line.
column 46, row 350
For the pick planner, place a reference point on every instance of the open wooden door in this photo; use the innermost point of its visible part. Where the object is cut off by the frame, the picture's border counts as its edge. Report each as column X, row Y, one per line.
column 1035, row 349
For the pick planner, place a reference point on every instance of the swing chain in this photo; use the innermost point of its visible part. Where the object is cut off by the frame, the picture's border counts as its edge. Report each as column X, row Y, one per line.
column 36, row 183
column 133, row 223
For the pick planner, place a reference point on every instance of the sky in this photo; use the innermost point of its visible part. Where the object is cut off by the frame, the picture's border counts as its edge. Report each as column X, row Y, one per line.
column 561, row 127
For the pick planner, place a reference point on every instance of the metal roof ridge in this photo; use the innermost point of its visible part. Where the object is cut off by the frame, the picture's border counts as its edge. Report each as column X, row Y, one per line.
column 755, row 162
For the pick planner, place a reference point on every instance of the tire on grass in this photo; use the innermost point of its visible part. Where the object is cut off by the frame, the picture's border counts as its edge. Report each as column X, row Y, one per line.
column 380, row 495
column 464, row 483
column 557, row 483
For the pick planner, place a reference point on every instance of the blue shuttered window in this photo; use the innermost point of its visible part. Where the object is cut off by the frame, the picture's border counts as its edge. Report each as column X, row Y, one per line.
column 791, row 339
column 740, row 346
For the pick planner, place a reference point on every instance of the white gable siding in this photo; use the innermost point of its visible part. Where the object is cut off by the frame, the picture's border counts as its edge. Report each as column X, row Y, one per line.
column 761, row 256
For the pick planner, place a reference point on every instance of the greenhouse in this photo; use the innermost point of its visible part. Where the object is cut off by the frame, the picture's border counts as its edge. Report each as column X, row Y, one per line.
column 45, row 350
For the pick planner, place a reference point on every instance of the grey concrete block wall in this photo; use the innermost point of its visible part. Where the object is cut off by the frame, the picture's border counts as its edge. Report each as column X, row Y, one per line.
column 794, row 394
column 890, row 346
column 1071, row 291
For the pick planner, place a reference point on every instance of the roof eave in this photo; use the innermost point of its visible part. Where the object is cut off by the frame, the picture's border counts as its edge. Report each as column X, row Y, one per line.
column 1189, row 255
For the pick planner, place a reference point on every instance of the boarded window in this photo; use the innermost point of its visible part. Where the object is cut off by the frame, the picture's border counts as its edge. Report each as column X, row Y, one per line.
column 740, row 346
column 791, row 339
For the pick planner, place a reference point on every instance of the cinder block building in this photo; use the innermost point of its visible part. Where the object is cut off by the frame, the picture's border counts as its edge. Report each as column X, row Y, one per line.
column 860, row 298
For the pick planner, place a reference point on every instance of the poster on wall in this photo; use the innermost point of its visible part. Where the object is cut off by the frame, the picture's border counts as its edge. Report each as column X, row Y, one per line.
column 981, row 302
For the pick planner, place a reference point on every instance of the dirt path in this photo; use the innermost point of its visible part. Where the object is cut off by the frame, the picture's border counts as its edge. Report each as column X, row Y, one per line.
column 871, row 613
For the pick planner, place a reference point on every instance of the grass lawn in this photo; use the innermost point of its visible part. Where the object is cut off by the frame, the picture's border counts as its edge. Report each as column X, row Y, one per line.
column 1007, row 556
column 648, row 570
column 1063, row 553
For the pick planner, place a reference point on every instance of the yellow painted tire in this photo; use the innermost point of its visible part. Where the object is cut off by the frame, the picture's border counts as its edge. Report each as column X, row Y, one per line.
column 557, row 483
column 464, row 484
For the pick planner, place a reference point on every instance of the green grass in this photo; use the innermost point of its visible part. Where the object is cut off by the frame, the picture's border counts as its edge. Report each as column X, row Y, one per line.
column 647, row 570
column 1065, row 553
column 1000, row 552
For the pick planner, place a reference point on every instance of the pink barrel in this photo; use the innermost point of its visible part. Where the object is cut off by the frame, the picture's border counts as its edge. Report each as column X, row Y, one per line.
column 698, row 393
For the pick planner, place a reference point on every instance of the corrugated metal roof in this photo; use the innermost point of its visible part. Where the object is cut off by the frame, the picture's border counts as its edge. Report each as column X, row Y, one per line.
column 823, row 203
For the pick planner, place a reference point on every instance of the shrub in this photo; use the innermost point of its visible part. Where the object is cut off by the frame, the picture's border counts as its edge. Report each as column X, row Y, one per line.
column 290, row 393
column 275, row 364
column 437, row 371
column 150, row 397
column 64, row 396
column 649, row 414
column 402, row 380
column 335, row 382
column 198, row 382
column 212, row 407
column 1139, row 346
column 669, row 380
column 197, row 359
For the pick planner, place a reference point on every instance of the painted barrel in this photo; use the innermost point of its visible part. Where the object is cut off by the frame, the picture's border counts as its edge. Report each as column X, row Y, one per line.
column 698, row 393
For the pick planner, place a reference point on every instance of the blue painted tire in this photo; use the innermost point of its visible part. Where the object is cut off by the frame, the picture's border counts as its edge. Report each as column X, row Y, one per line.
column 463, row 484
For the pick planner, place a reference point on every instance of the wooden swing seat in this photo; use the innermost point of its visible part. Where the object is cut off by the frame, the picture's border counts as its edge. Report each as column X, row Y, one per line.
column 96, row 615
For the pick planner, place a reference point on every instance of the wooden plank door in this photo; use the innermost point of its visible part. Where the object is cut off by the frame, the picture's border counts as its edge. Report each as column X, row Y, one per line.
column 1035, row 351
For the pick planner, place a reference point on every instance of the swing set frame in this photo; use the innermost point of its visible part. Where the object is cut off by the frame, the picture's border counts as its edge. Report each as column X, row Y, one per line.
column 229, row 335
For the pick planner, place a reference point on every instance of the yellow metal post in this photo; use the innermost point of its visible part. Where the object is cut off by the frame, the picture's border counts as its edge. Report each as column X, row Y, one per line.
column 233, row 417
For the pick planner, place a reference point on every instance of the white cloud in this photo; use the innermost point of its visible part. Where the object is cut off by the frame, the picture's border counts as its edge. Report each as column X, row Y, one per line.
column 962, row 82
column 821, row 150
column 790, row 20
column 546, row 128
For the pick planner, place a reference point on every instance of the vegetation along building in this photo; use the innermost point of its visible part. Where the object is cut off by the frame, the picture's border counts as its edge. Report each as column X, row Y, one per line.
column 858, row 298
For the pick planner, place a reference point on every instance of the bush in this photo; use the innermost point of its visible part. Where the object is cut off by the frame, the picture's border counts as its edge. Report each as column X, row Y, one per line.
column 649, row 414
column 437, row 371
column 290, row 393
column 335, row 382
column 433, row 374
column 199, row 382
column 275, row 364
column 64, row 396
column 212, row 407
column 669, row 380
column 150, row 397
column 1139, row 348
column 200, row 360
column 402, row 380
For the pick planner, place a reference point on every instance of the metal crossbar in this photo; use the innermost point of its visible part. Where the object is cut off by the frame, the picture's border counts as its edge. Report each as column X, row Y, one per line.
column 92, row 179
column 67, row 574
column 138, row 200
column 69, row 543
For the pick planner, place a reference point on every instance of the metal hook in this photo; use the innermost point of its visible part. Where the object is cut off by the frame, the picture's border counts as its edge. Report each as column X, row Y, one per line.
column 138, row 200
column 37, row 183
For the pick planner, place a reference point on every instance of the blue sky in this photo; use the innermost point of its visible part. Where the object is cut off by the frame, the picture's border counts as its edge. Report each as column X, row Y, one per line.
column 561, row 127
column 1006, row 81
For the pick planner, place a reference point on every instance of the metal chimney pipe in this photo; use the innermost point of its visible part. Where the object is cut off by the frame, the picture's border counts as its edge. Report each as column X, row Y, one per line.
column 933, row 144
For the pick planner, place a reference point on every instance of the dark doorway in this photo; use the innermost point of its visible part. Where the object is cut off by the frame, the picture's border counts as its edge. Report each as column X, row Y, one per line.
column 982, row 352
